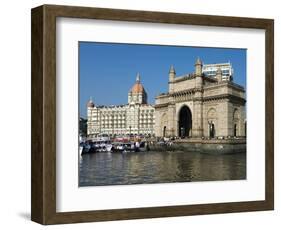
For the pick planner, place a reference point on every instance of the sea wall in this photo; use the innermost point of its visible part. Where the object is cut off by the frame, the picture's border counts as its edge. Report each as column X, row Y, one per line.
column 204, row 146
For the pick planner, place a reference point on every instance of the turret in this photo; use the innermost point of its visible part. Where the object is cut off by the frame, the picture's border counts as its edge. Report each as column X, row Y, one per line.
column 172, row 75
column 198, row 67
column 90, row 103
column 137, row 94
column 198, row 73
column 219, row 75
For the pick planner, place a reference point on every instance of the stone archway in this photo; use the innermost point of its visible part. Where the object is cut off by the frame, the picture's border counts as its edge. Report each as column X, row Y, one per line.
column 185, row 122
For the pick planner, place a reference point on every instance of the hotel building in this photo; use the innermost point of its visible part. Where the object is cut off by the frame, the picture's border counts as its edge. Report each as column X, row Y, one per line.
column 137, row 117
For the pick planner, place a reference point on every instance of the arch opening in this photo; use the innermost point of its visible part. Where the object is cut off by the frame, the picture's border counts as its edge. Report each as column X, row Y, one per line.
column 211, row 130
column 185, row 122
column 164, row 131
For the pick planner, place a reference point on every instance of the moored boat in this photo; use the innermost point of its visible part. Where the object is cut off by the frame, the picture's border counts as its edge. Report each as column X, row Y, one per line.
column 108, row 147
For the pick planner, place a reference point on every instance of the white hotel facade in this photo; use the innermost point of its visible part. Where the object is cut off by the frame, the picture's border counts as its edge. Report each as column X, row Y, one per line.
column 137, row 117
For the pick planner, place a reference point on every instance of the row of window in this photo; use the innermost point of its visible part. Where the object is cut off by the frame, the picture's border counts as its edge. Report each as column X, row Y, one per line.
column 121, row 112
column 121, row 119
column 150, row 126
column 213, row 73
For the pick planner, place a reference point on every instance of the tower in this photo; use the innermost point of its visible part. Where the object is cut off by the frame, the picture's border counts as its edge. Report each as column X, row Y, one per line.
column 91, row 112
column 198, row 73
column 137, row 94
column 172, row 75
column 90, row 103
column 197, row 129
column 198, row 67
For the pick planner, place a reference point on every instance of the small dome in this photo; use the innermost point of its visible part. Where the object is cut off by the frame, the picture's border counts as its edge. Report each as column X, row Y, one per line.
column 90, row 103
column 137, row 88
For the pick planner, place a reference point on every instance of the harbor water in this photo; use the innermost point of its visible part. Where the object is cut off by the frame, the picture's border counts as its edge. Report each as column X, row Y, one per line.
column 158, row 167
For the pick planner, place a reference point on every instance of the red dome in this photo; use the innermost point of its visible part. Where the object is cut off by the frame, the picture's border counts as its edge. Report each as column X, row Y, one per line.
column 137, row 88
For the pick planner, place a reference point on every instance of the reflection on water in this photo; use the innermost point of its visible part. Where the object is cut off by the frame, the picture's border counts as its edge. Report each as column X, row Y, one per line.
column 158, row 167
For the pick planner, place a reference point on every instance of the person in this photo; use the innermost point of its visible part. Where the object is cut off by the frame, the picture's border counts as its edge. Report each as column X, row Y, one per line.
column 137, row 146
column 133, row 146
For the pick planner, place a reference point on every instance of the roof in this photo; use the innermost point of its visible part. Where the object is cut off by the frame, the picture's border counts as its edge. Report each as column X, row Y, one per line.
column 137, row 88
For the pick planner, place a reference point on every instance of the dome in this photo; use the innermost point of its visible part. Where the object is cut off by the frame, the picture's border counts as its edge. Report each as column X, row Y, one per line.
column 137, row 94
column 90, row 103
column 137, row 88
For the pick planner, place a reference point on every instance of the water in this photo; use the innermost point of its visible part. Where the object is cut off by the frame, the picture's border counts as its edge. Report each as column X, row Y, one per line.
column 158, row 167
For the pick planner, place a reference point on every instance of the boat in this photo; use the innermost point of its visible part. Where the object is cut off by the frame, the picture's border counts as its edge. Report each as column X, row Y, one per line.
column 95, row 145
column 85, row 147
column 142, row 147
column 101, row 146
column 108, row 147
column 129, row 147
column 117, row 147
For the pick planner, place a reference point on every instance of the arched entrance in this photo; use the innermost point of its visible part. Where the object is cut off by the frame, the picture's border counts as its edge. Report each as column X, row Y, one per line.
column 185, row 122
column 164, row 131
column 211, row 130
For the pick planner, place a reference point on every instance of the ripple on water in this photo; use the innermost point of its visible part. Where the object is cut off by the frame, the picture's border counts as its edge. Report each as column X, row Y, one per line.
column 158, row 167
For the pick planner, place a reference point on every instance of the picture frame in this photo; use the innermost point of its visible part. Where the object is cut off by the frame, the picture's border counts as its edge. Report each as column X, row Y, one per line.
column 43, row 160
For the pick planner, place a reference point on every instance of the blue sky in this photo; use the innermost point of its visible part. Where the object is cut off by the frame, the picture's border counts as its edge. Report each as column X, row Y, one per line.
column 107, row 71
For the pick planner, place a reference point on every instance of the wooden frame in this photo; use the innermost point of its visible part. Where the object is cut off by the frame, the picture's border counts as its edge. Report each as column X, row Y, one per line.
column 43, row 207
